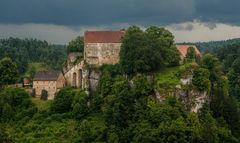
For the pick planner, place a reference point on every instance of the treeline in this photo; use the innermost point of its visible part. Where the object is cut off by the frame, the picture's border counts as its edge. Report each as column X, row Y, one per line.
column 228, row 52
column 216, row 45
column 230, row 58
column 26, row 51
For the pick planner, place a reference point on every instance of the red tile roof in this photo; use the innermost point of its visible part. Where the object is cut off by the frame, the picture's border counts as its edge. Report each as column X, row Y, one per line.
column 183, row 50
column 103, row 36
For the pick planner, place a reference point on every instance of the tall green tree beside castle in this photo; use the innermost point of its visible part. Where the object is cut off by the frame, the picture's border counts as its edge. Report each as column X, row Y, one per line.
column 147, row 51
column 8, row 71
column 76, row 45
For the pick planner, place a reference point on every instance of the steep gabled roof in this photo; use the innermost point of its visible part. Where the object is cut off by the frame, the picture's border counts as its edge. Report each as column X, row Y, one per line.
column 183, row 49
column 103, row 36
column 47, row 76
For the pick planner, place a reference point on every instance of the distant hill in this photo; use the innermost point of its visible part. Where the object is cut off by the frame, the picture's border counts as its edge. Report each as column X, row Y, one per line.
column 215, row 45
column 26, row 51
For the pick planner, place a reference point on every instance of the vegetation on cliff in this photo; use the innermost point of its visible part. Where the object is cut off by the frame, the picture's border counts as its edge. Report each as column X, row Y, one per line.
column 125, row 108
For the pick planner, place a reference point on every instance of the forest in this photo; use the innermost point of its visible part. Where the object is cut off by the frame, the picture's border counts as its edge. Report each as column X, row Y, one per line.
column 124, row 109
column 28, row 51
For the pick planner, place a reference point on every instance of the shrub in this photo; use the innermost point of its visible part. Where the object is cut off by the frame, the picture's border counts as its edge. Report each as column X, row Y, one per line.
column 80, row 105
column 201, row 79
column 63, row 101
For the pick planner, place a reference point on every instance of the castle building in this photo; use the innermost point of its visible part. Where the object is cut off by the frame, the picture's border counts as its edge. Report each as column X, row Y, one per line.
column 102, row 47
column 50, row 81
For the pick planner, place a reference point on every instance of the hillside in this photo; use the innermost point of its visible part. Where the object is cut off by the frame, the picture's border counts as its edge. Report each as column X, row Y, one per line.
column 152, row 95
column 216, row 45
column 27, row 51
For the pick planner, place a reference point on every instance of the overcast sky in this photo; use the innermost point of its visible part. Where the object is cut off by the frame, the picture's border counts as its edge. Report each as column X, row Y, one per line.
column 59, row 21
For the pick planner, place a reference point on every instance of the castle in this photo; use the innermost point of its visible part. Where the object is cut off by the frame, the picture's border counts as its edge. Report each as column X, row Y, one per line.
column 100, row 47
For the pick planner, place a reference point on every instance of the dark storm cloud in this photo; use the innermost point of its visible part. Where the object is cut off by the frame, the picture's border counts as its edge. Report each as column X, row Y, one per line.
column 93, row 12
column 99, row 12
column 223, row 11
column 59, row 21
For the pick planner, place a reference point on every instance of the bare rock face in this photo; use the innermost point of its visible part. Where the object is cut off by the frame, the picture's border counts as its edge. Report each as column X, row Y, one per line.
column 192, row 98
column 94, row 79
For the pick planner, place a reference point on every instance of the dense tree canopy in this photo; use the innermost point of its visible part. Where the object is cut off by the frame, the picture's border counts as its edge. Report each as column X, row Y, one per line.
column 147, row 51
column 76, row 45
column 28, row 51
column 8, row 71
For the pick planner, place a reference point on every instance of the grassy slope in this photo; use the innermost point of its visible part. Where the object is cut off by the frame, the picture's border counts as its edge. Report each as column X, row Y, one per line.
column 38, row 67
column 40, row 104
column 167, row 79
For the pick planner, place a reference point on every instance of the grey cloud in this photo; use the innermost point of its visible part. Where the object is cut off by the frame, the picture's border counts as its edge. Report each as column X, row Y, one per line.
column 184, row 26
column 52, row 33
column 210, row 25
column 102, row 12
column 95, row 12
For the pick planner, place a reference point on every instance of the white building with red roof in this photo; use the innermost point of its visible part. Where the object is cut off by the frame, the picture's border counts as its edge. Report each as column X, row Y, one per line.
column 184, row 48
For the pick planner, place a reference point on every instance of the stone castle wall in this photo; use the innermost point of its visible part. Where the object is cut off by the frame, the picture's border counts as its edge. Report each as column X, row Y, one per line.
column 49, row 86
column 102, row 53
column 77, row 76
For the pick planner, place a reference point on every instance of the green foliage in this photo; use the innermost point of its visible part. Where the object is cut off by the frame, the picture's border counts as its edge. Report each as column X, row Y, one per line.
column 191, row 54
column 167, row 79
column 234, row 79
column 105, row 85
column 141, row 86
column 201, row 79
column 80, row 105
column 3, row 136
column 209, row 128
column 147, row 51
column 231, row 114
column 92, row 129
column 234, row 82
column 34, row 68
column 172, row 57
column 40, row 104
column 124, row 108
column 8, row 71
column 63, row 101
column 210, row 62
column 27, row 51
column 76, row 45
column 7, row 112
column 14, row 103
column 15, row 97
column 217, row 46
column 236, row 65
